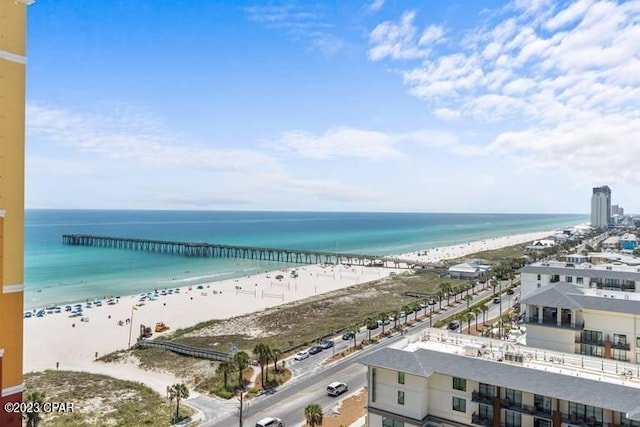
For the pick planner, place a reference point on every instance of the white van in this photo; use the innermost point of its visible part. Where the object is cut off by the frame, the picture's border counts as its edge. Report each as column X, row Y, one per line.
column 336, row 388
column 270, row 422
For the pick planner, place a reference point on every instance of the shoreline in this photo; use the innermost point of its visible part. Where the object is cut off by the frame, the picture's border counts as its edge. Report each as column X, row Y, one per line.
column 57, row 340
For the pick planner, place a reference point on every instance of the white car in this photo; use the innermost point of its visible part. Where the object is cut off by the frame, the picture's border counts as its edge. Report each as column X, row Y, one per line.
column 336, row 388
column 270, row 422
column 302, row 355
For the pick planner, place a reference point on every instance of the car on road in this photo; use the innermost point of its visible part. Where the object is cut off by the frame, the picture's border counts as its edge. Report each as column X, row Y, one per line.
column 496, row 300
column 452, row 326
column 270, row 422
column 348, row 336
column 511, row 292
column 315, row 349
column 326, row 344
column 301, row 355
column 336, row 388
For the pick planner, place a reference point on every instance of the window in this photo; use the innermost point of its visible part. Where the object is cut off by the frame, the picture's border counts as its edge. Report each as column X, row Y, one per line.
column 542, row 403
column 485, row 412
column 591, row 337
column 585, row 413
column 619, row 339
column 459, row 384
column 388, row 422
column 400, row 397
column 459, row 405
column 513, row 397
column 637, row 357
column 486, row 391
column 512, row 419
column 400, row 377
column 538, row 277
column 569, row 279
column 637, row 341
column 540, row 422
column 579, row 280
column 626, row 422
column 618, row 354
column 591, row 350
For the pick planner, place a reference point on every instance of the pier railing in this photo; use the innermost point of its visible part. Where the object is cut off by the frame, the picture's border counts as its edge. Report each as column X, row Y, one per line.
column 215, row 250
column 201, row 353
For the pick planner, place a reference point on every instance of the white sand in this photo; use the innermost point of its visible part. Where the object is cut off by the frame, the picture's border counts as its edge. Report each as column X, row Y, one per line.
column 53, row 338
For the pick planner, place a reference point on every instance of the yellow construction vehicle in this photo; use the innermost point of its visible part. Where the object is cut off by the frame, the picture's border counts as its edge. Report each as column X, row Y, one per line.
column 161, row 327
column 145, row 331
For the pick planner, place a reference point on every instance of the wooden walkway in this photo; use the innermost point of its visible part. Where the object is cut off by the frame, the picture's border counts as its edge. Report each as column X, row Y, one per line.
column 214, row 250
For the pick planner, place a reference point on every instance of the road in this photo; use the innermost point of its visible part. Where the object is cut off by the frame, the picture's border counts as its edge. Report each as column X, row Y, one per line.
column 310, row 378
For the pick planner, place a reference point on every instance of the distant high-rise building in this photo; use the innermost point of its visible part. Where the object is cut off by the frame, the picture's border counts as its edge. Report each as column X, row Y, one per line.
column 601, row 207
column 614, row 209
column 620, row 210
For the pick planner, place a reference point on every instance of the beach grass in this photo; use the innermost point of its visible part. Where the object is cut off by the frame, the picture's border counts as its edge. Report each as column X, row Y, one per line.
column 316, row 317
column 100, row 400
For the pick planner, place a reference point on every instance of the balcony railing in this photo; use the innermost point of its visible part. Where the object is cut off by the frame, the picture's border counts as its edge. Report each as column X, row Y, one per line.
column 552, row 323
column 476, row 396
column 577, row 420
column 507, row 403
column 620, row 345
column 480, row 420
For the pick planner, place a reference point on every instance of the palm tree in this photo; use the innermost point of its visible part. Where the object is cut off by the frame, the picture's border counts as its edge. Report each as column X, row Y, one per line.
column 484, row 308
column 33, row 399
column 273, row 355
column 396, row 316
column 313, row 415
column 416, row 308
column 468, row 298
column 406, row 308
column 241, row 360
column 468, row 316
column 440, row 295
column 224, row 369
column 178, row 391
column 262, row 352
column 445, row 287
column 476, row 312
column 369, row 323
column 383, row 317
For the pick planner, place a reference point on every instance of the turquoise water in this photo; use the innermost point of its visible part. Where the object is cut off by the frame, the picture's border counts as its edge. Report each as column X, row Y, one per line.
column 56, row 273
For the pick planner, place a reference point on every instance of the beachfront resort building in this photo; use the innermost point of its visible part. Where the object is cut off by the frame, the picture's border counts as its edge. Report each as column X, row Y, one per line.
column 454, row 380
column 601, row 207
column 607, row 277
column 12, row 116
column 589, row 321
column 472, row 269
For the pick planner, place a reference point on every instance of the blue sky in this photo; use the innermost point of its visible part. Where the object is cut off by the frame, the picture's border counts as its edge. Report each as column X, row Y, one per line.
column 392, row 105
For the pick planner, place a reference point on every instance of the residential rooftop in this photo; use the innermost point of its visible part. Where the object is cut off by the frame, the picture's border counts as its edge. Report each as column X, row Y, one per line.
column 588, row 380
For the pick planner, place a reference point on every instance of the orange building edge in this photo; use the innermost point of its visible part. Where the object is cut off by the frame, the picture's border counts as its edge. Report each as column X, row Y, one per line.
column 13, row 14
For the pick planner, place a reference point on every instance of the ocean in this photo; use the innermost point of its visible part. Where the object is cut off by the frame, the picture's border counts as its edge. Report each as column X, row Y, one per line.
column 57, row 273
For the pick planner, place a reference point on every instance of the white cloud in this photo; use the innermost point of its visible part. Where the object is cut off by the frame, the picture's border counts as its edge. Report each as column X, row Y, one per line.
column 128, row 134
column 376, row 5
column 401, row 41
column 446, row 113
column 559, row 83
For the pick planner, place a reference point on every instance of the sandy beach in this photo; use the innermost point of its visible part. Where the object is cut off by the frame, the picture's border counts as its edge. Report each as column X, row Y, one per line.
column 57, row 340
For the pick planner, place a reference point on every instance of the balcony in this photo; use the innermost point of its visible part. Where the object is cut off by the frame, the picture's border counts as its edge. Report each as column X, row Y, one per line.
column 478, row 397
column 589, row 341
column 621, row 345
column 549, row 322
column 508, row 404
column 577, row 420
column 481, row 420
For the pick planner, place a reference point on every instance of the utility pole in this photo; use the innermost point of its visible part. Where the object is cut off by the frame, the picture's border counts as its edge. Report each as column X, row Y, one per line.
column 241, row 407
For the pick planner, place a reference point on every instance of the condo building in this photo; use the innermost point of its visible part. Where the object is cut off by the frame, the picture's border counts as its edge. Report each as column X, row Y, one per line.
column 451, row 380
column 12, row 122
column 589, row 321
column 601, row 207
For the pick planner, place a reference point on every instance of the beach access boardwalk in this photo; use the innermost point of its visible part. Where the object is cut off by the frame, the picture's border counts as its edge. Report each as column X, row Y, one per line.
column 215, row 250
column 187, row 350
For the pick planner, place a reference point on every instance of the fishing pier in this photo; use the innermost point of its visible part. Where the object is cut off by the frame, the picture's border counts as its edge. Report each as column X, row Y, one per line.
column 215, row 250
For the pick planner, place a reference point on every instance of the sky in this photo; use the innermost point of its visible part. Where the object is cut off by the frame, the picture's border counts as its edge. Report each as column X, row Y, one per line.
column 383, row 105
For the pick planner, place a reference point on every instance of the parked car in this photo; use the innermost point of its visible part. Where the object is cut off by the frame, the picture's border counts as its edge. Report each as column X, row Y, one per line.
column 453, row 326
column 315, row 349
column 511, row 292
column 348, row 336
column 270, row 422
column 336, row 388
column 301, row 355
column 496, row 300
column 326, row 344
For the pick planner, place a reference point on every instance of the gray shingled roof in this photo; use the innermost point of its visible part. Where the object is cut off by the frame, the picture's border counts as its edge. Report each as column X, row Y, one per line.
column 581, row 272
column 424, row 363
column 567, row 295
column 560, row 294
